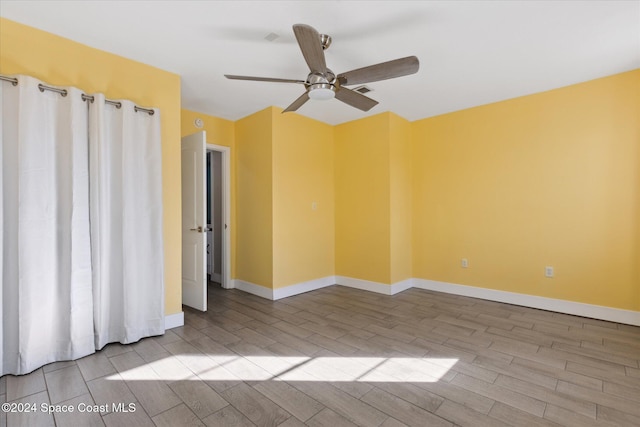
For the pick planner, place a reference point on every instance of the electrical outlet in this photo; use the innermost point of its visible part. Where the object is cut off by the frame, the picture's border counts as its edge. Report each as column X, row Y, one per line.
column 464, row 263
column 314, row 206
column 548, row 271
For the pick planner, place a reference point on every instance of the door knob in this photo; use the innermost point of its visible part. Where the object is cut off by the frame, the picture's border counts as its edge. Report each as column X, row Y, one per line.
column 199, row 229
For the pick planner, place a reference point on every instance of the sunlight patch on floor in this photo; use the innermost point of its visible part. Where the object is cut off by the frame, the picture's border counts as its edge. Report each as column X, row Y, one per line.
column 284, row 368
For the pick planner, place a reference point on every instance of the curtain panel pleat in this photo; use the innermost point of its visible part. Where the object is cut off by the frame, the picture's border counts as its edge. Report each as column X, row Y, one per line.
column 81, row 260
column 126, row 222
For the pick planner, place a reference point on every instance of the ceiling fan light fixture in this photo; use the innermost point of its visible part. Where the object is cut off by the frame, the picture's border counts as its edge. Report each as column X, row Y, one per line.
column 322, row 91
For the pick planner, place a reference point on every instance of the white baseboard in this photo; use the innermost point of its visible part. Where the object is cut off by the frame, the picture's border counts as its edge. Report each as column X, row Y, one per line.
column 365, row 285
column 216, row 277
column 377, row 287
column 252, row 288
column 311, row 285
column 401, row 286
column 284, row 292
column 173, row 320
column 300, row 288
column 561, row 306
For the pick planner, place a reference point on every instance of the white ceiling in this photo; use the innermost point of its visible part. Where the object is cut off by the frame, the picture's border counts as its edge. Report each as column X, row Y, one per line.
column 471, row 52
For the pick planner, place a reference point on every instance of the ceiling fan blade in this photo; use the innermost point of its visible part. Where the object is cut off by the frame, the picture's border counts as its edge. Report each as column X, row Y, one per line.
column 311, row 47
column 297, row 103
column 262, row 79
column 355, row 99
column 383, row 71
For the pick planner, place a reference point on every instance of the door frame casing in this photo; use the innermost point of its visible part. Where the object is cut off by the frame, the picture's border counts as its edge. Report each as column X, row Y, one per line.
column 226, row 211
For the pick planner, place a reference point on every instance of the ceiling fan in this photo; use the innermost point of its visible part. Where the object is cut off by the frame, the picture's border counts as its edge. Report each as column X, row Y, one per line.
column 322, row 83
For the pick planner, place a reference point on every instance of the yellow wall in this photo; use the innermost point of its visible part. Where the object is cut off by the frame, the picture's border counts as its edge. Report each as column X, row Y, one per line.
column 219, row 132
column 303, row 238
column 362, row 199
column 254, row 198
column 400, row 185
column 546, row 179
column 59, row 61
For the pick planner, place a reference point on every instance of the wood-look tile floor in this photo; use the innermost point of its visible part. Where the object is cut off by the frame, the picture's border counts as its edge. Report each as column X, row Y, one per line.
column 344, row 357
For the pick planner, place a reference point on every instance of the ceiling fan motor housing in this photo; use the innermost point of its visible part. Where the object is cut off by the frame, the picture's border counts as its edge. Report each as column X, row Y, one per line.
column 317, row 77
column 321, row 85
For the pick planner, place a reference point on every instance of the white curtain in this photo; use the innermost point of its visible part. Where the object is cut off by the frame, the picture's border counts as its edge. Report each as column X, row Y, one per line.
column 47, row 309
column 126, row 222
column 81, row 259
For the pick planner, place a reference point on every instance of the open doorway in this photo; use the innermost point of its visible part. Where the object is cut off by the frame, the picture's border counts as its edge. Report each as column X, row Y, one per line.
column 214, row 216
column 218, row 213
column 195, row 222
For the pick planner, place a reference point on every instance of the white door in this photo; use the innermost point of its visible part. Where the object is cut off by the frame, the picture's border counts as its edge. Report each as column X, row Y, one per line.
column 194, row 264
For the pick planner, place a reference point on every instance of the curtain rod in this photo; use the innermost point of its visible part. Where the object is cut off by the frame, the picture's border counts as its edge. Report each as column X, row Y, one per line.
column 85, row 97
